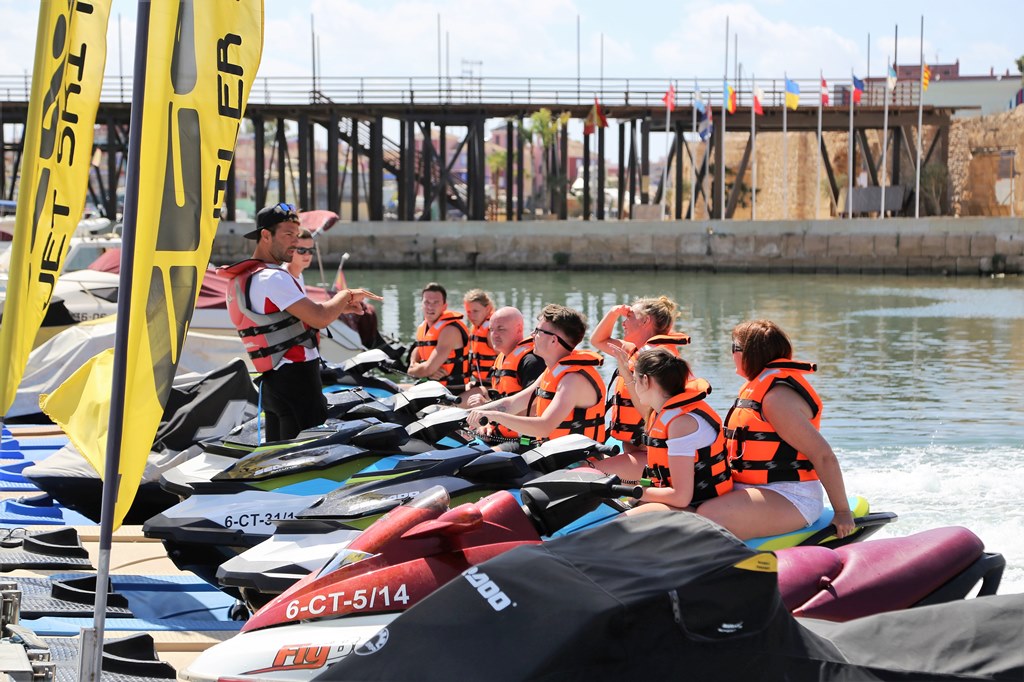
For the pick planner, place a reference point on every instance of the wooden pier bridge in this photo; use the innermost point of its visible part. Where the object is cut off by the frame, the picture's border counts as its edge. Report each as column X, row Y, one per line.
column 400, row 128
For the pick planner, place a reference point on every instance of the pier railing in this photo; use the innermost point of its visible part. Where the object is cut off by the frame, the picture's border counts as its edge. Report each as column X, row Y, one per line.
column 539, row 92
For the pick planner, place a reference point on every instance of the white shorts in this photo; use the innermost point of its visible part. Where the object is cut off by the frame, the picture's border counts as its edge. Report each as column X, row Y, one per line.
column 806, row 496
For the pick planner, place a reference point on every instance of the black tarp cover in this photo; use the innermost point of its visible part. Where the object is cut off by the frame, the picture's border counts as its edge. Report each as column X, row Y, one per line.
column 660, row 596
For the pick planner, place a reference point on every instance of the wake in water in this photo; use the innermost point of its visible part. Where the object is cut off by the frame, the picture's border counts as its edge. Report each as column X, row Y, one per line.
column 978, row 488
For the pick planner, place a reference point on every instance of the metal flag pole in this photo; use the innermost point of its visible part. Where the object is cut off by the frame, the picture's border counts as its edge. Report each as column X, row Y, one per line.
column 664, row 165
column 753, row 149
column 817, row 182
column 920, row 117
column 849, row 178
column 693, row 160
column 725, row 95
column 91, row 656
column 785, row 166
column 885, row 146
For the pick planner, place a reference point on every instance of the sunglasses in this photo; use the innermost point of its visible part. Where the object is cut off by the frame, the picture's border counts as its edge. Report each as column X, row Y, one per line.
column 736, row 348
column 562, row 341
column 290, row 213
column 304, row 251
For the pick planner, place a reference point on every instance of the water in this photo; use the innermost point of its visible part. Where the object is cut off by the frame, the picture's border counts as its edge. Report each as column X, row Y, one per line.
column 922, row 378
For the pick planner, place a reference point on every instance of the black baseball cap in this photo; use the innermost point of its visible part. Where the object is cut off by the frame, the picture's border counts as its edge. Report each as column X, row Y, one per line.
column 273, row 215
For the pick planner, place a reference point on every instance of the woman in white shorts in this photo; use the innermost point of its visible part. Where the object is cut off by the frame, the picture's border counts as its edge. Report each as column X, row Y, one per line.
column 780, row 461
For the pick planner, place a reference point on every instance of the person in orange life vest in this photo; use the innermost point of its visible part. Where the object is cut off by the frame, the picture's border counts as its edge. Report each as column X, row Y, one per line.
column 479, row 309
column 779, row 459
column 278, row 324
column 647, row 321
column 685, row 449
column 517, row 366
column 568, row 397
column 440, row 351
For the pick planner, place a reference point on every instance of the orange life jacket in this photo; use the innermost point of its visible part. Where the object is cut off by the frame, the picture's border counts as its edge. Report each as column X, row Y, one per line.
column 626, row 423
column 711, row 476
column 506, row 379
column 267, row 336
column 588, row 421
column 481, row 354
column 757, row 454
column 456, row 365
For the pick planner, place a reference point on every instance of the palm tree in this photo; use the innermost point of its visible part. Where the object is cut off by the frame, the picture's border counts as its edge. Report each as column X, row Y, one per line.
column 543, row 128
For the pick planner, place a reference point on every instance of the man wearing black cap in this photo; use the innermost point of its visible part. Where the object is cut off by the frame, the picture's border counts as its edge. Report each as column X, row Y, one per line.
column 279, row 324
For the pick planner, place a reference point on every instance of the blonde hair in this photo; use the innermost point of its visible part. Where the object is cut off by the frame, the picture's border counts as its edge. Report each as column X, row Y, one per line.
column 477, row 296
column 663, row 311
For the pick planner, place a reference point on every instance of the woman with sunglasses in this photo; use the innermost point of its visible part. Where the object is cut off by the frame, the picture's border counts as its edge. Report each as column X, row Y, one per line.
column 685, row 457
column 779, row 459
column 646, row 323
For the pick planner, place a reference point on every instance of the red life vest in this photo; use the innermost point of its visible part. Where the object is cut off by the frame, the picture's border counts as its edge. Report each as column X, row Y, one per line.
column 711, row 476
column 757, row 454
column 456, row 365
column 626, row 423
column 267, row 336
column 588, row 421
column 507, row 380
column 481, row 355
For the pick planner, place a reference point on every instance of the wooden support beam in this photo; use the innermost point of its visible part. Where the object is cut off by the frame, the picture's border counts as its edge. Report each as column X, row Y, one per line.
column 734, row 196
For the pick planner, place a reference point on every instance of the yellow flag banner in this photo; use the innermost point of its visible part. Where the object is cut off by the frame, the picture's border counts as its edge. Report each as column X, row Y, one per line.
column 67, row 74
column 201, row 60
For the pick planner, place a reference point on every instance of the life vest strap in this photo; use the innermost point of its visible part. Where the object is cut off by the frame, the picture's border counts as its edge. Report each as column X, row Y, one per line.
column 748, row 404
column 285, row 345
column 743, row 434
column 741, row 464
column 268, row 328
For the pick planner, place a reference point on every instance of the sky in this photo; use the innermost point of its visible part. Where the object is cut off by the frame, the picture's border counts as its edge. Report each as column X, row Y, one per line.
column 538, row 38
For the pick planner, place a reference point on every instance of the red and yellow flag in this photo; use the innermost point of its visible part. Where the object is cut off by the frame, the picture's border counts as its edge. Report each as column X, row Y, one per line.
column 595, row 119
column 201, row 60
column 926, row 76
column 67, row 74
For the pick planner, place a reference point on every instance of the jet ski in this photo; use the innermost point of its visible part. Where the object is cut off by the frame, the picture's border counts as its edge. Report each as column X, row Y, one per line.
column 662, row 597
column 211, row 529
column 466, row 475
column 700, row 572
column 240, row 461
column 398, row 561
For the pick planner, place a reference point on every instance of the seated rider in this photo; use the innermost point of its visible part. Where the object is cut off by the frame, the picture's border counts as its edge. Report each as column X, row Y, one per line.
column 779, row 459
column 440, row 351
column 568, row 397
column 516, row 367
column 686, row 459
column 646, row 323
column 482, row 354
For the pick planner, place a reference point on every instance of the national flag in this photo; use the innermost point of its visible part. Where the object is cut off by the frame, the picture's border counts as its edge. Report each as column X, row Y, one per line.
column 824, row 92
column 706, row 125
column 595, row 119
column 890, row 80
column 758, row 96
column 670, row 98
column 858, row 89
column 71, row 52
column 201, row 59
column 926, row 77
column 730, row 97
column 792, row 94
column 698, row 99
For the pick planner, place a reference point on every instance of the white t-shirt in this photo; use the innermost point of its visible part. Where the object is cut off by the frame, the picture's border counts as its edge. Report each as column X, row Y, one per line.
column 272, row 290
column 686, row 446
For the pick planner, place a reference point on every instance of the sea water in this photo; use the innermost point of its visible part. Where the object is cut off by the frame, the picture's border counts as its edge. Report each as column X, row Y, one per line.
column 922, row 378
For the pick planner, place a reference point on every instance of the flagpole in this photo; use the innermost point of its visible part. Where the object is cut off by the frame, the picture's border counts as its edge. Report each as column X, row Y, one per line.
column 91, row 657
column 785, row 168
column 817, row 183
column 693, row 159
column 920, row 116
column 664, row 165
column 885, row 144
column 725, row 95
column 753, row 149
column 849, row 175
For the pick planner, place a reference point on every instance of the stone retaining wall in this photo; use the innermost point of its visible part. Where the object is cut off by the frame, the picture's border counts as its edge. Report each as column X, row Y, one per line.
column 950, row 246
